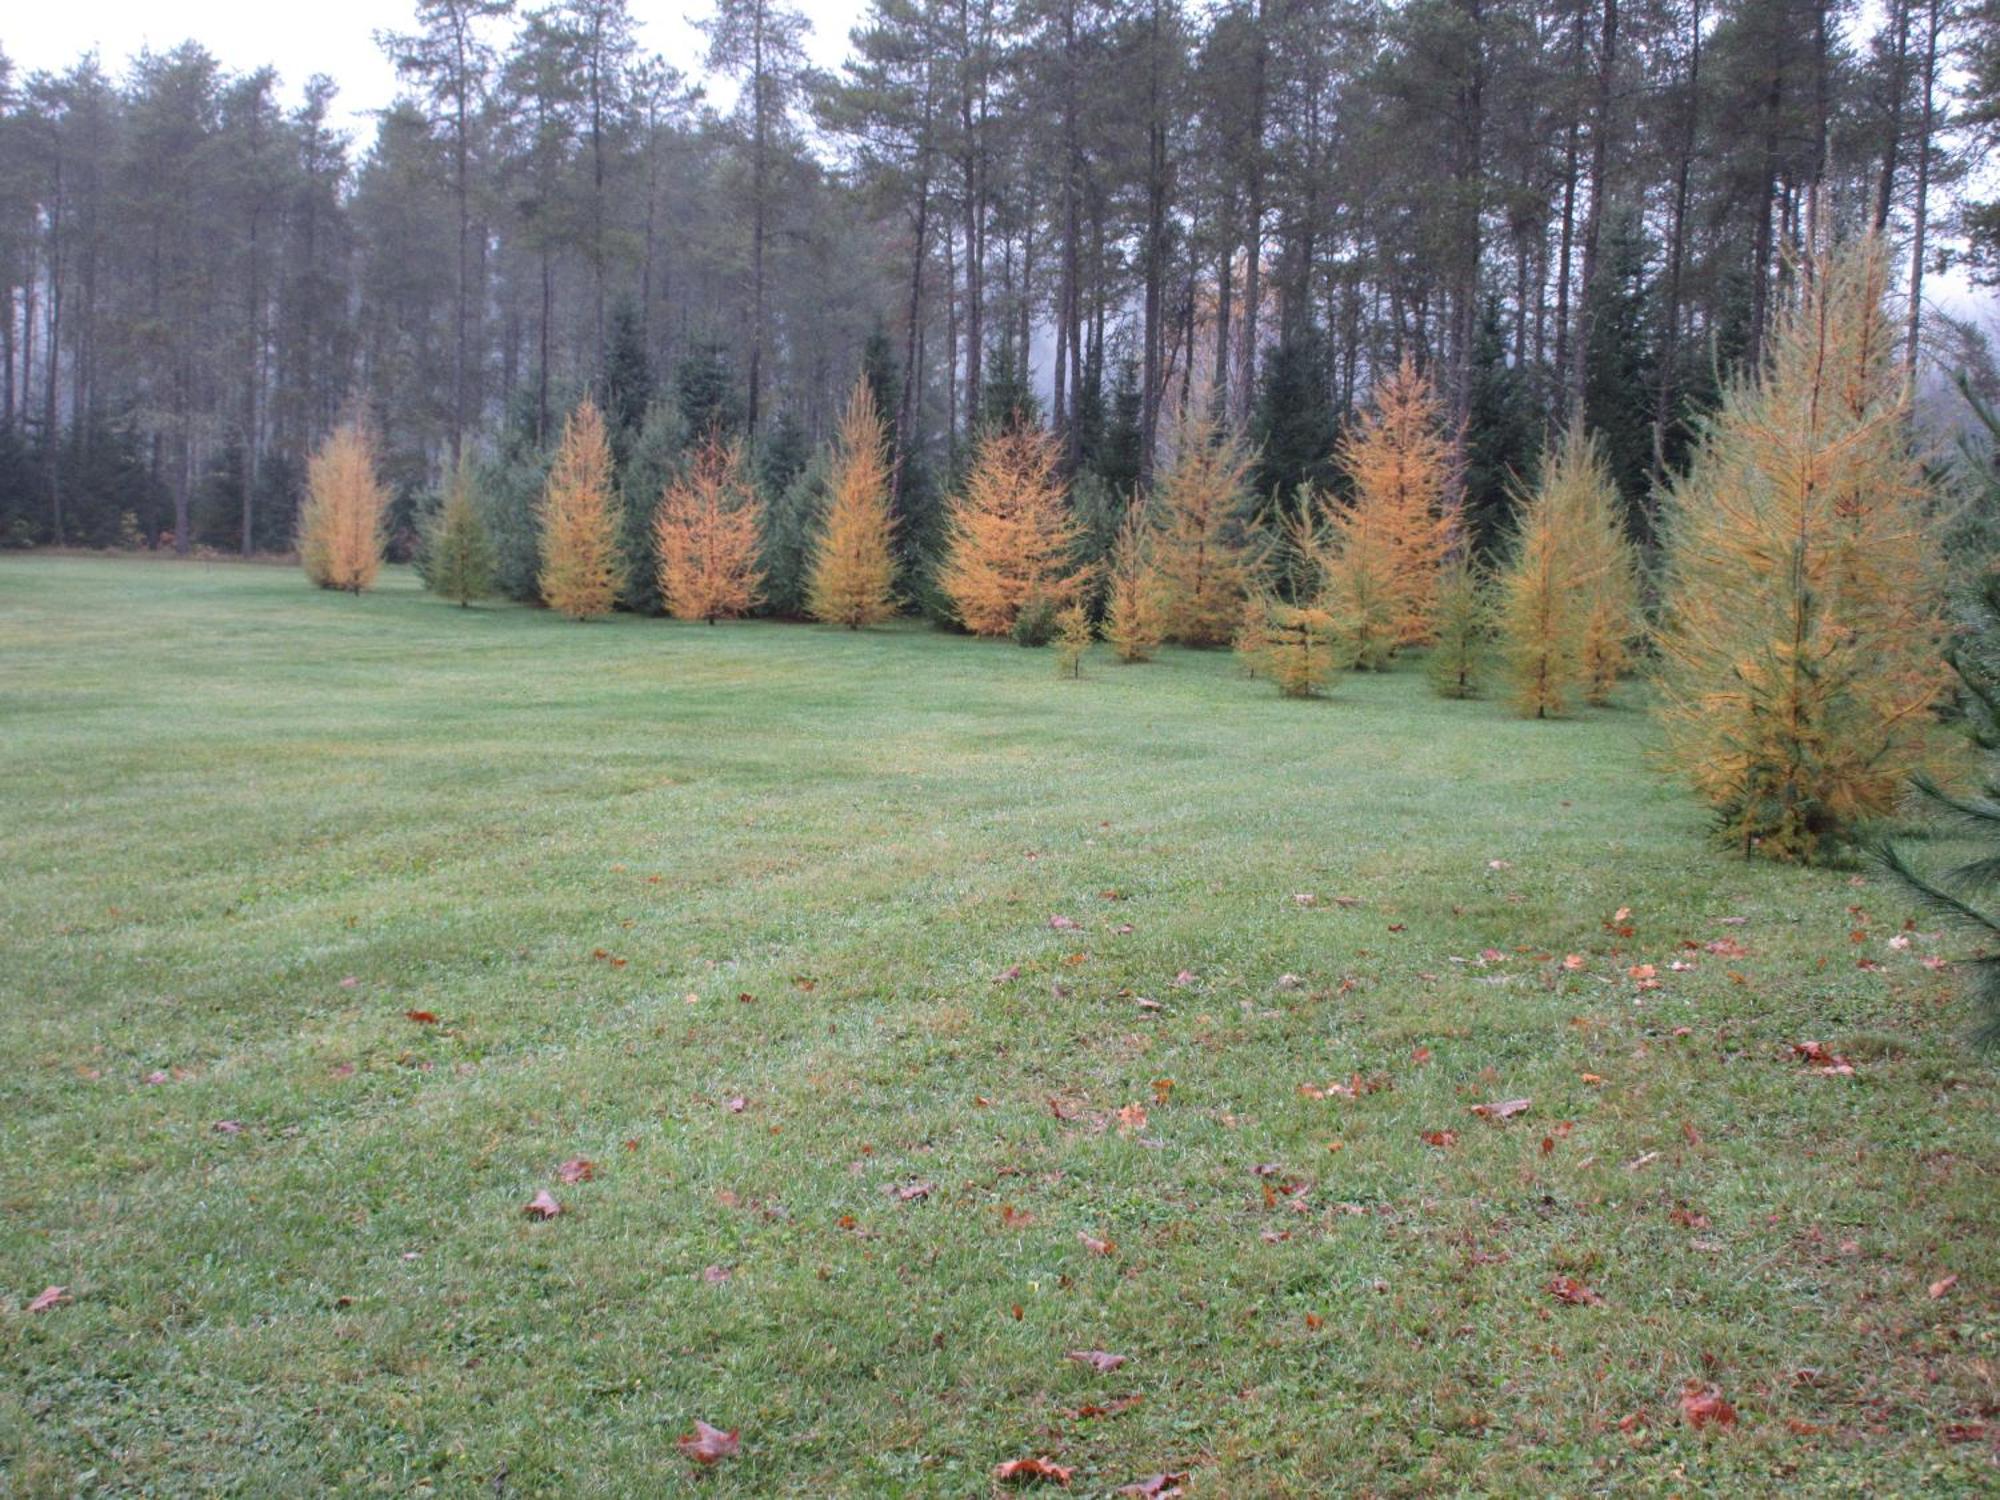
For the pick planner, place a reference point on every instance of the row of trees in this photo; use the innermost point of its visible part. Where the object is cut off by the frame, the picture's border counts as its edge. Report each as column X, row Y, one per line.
column 1798, row 629
column 1127, row 213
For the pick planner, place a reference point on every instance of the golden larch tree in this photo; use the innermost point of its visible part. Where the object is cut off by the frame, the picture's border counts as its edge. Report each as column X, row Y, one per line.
column 1201, row 554
column 1362, row 584
column 1399, row 460
column 1132, row 614
column 1075, row 635
column 1801, row 626
column 341, row 522
column 1294, row 645
column 582, row 569
column 1603, row 561
column 1013, row 536
column 1541, row 605
column 853, row 565
column 706, row 532
column 1462, row 634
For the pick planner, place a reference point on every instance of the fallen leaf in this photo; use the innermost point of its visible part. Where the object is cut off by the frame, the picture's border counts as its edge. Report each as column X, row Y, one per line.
column 1012, row 971
column 421, row 1017
column 1305, row 898
column 1156, row 1487
column 227, row 1127
column 910, row 1192
column 1440, row 1138
column 1037, row 1470
column 1568, row 1290
column 1132, row 1117
column 1097, row 1359
column 349, row 982
column 716, row 1275
column 542, row 1206
column 1703, row 1406
column 1823, row 1059
column 1504, row 1109
column 737, row 1105
column 1064, row 924
column 1183, row 979
column 706, row 1444
column 52, row 1297
column 1094, row 1245
column 577, row 1169
column 1421, row 1056
column 1573, row 961
column 1943, row 1285
column 1162, row 1087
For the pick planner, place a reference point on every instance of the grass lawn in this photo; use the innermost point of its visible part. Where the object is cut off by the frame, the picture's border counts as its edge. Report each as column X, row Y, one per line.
column 876, row 974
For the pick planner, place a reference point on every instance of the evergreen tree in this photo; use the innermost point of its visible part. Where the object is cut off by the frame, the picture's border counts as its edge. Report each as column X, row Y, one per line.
column 853, row 567
column 1118, row 451
column 458, row 554
column 341, row 524
column 650, row 463
column 1295, row 429
column 706, row 536
column 792, row 520
column 705, row 391
column 581, row 566
column 628, row 379
column 1802, row 578
column 1620, row 373
column 1012, row 535
column 1503, row 429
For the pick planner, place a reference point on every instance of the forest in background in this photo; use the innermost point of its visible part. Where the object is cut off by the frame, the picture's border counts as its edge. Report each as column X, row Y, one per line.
column 1110, row 213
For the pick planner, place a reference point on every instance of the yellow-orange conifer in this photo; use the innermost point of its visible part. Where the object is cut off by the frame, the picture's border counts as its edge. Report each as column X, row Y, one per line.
column 1013, row 536
column 1132, row 614
column 1204, row 563
column 1398, row 458
column 581, row 566
column 340, row 524
column 853, row 567
column 706, row 532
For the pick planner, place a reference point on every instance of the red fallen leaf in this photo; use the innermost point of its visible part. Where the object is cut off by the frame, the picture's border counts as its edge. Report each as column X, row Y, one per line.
column 1060, row 1110
column 910, row 1192
column 1421, row 1056
column 631, row 1145
column 1399, row 927
column 1641, row 972
column 227, row 1127
column 1943, row 1285
column 1015, row 1218
column 1689, row 1133
column 706, row 1444
column 1491, row 956
column 1686, row 1218
column 1965, row 1432
column 1094, row 1245
column 1314, row 1322
column 53, row 1297
column 1703, row 1406
column 1039, row 1470
column 737, row 1105
column 746, row 998
column 716, row 1275
column 1504, row 1109
column 577, row 1169
column 542, row 1206
column 1568, row 1290
column 1064, row 924
column 1156, row 1487
column 1097, row 1359
column 1632, row 1423
column 1107, row 1409
column 421, row 1017
column 1441, row 1138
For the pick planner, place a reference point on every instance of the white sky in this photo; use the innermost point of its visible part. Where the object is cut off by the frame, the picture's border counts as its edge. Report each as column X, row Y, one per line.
column 338, row 39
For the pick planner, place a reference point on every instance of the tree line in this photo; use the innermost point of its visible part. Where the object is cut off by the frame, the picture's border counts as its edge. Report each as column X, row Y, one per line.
column 1120, row 213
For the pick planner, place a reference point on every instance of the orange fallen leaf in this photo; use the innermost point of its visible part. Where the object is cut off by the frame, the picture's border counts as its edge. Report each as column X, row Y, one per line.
column 1703, row 1406
column 1132, row 1117
column 707, row 1445
column 1573, row 1293
column 421, row 1017
column 1094, row 1245
column 1440, row 1138
column 1943, row 1285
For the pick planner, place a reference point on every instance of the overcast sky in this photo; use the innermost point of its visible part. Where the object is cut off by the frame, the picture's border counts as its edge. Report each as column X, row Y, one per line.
column 337, row 39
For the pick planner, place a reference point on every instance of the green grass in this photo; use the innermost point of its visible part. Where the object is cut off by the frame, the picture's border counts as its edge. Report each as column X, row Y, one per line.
column 245, row 827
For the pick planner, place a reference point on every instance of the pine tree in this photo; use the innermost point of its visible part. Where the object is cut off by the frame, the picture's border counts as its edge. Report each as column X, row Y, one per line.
column 1975, row 656
column 1012, row 534
column 706, row 535
column 1132, row 622
column 1398, row 459
column 1462, row 635
column 1074, row 637
column 581, row 568
column 1201, row 554
column 341, row 522
column 1800, row 657
column 854, row 565
column 460, row 552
